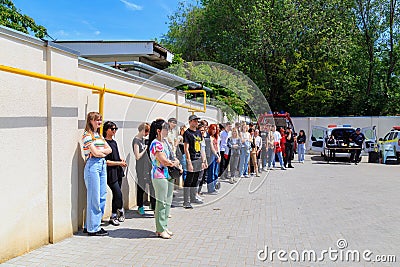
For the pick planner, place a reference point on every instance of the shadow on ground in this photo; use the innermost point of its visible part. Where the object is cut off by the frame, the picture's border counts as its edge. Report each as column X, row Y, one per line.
column 337, row 161
column 128, row 233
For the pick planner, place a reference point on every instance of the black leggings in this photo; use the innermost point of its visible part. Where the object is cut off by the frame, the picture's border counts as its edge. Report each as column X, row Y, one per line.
column 117, row 196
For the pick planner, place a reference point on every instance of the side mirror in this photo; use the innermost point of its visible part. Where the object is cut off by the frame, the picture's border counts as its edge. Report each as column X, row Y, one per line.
column 313, row 138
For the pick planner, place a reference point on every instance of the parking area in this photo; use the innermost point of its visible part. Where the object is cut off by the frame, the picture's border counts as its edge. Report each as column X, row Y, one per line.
column 314, row 207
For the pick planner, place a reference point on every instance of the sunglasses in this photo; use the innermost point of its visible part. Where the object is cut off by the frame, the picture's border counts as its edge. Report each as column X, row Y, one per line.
column 114, row 129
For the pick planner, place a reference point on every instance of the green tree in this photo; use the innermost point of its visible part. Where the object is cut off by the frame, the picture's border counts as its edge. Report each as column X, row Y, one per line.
column 11, row 17
column 322, row 57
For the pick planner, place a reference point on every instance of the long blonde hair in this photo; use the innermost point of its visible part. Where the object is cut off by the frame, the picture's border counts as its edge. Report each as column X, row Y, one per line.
column 235, row 131
column 92, row 116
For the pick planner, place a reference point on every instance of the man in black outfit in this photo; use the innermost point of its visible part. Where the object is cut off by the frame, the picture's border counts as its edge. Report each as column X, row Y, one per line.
column 192, row 139
column 358, row 139
column 289, row 147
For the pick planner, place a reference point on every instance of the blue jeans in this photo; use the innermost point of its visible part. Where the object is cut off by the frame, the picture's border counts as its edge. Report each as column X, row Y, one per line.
column 301, row 150
column 244, row 161
column 280, row 159
column 95, row 175
column 271, row 157
column 264, row 157
column 212, row 175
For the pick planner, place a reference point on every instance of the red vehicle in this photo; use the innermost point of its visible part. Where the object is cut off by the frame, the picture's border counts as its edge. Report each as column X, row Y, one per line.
column 280, row 120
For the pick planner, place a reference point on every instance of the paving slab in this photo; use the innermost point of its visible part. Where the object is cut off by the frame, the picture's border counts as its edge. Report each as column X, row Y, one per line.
column 314, row 207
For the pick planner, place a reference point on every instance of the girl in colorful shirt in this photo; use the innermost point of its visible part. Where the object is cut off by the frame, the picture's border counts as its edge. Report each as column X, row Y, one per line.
column 162, row 182
column 95, row 149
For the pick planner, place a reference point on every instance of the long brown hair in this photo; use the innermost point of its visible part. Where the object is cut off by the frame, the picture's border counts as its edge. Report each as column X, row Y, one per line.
column 92, row 116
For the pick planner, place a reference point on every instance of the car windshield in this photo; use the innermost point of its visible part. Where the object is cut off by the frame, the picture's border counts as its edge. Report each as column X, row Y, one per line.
column 342, row 134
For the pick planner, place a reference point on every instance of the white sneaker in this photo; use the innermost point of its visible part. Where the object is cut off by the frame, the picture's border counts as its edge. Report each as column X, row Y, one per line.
column 241, row 176
column 265, row 169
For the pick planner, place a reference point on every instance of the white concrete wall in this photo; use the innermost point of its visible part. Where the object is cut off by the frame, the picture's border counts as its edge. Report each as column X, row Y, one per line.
column 23, row 131
column 43, row 195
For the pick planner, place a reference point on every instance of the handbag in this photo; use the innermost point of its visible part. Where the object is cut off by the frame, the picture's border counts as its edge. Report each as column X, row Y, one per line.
column 173, row 171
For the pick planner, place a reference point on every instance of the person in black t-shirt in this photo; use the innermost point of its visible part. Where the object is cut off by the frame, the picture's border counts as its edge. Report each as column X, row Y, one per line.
column 195, row 163
column 289, row 145
column 115, row 172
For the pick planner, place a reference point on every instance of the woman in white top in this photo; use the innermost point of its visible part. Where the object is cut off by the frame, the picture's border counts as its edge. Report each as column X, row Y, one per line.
column 95, row 174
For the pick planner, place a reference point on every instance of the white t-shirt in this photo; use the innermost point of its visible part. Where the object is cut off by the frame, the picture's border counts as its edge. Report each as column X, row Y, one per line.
column 223, row 143
column 277, row 136
column 258, row 141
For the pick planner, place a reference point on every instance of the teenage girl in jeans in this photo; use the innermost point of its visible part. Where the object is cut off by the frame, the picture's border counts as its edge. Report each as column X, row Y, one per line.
column 95, row 174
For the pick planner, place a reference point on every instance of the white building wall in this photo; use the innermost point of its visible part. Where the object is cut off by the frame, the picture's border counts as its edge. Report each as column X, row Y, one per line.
column 41, row 124
column 23, row 131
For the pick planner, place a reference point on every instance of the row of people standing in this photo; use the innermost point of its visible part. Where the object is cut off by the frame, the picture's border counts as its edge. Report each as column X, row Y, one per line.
column 205, row 155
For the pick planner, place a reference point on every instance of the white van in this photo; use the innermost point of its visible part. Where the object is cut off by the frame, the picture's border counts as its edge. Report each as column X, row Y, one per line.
column 342, row 133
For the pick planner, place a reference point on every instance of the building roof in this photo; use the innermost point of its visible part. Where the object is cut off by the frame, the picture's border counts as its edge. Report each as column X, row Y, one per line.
column 148, row 52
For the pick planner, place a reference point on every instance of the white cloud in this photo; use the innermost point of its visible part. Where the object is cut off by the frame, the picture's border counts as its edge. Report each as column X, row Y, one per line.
column 61, row 33
column 131, row 6
column 97, row 32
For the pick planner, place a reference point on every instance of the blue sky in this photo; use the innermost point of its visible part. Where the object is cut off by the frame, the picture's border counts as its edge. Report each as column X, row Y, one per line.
column 101, row 19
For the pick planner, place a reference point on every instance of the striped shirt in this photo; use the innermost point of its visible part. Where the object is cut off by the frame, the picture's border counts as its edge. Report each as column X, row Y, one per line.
column 87, row 140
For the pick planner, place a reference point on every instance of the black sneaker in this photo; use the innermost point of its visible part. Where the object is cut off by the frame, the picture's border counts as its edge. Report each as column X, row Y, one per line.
column 121, row 215
column 101, row 232
column 114, row 221
column 187, row 206
column 85, row 231
column 197, row 201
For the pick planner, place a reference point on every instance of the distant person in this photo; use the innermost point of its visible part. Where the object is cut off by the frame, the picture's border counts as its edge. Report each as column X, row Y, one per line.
column 253, row 153
column 301, row 146
column 172, row 133
column 203, row 145
column 213, row 168
column 258, row 143
column 143, row 167
column 332, row 144
column 283, row 145
column 235, row 144
column 270, row 146
column 224, row 151
column 264, row 151
column 358, row 139
column 207, row 151
column 244, row 152
column 95, row 149
column 278, row 148
column 289, row 146
column 115, row 173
